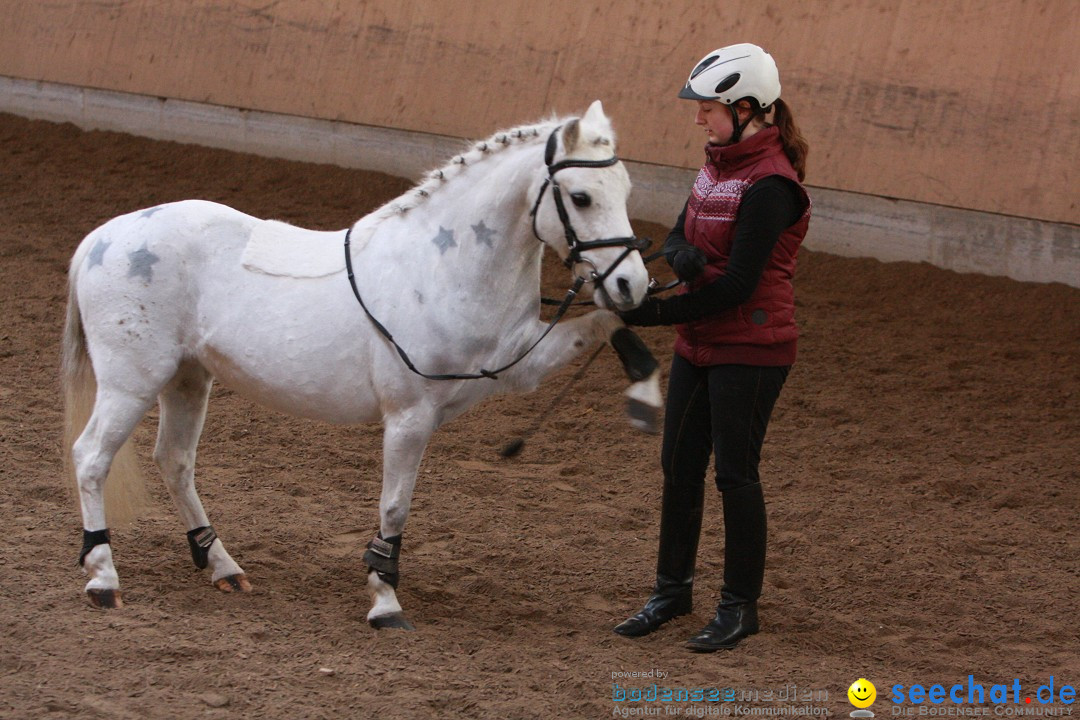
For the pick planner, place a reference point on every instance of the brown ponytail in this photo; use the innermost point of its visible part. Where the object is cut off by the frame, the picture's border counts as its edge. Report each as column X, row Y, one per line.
column 795, row 145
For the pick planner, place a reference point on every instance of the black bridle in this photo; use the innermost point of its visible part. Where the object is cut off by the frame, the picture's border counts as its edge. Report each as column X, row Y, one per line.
column 576, row 245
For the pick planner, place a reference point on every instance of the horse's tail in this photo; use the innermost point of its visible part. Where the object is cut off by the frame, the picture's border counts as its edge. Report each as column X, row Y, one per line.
column 125, row 490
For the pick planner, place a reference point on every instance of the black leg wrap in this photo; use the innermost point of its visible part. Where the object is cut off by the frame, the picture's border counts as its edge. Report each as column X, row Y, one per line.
column 90, row 540
column 200, row 539
column 382, row 557
column 637, row 360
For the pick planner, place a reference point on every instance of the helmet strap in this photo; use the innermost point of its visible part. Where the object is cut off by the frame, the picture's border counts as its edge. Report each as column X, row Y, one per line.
column 739, row 127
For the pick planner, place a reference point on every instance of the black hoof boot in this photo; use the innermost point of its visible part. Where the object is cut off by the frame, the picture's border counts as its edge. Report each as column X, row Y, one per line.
column 732, row 623
column 657, row 611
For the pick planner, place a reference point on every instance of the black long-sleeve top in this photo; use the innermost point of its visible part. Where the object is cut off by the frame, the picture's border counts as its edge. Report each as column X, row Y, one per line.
column 768, row 207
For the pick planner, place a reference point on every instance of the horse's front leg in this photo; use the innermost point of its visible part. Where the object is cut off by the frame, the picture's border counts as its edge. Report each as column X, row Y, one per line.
column 405, row 436
column 569, row 338
column 563, row 344
column 643, row 396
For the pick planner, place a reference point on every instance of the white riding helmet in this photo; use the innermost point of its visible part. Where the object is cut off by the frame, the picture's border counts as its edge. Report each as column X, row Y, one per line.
column 734, row 73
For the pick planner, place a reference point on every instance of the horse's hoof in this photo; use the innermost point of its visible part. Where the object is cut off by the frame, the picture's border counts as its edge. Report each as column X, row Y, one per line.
column 643, row 417
column 104, row 599
column 233, row 583
column 391, row 621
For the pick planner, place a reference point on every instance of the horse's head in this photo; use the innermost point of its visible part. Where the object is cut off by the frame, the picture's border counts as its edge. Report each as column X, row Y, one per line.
column 580, row 211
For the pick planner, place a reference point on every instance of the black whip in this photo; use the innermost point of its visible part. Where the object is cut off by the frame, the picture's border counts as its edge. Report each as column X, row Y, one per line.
column 513, row 448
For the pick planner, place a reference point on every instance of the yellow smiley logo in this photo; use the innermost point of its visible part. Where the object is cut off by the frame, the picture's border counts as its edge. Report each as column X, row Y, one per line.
column 862, row 693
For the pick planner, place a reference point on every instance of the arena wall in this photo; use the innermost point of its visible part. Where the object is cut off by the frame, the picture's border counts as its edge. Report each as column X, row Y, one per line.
column 950, row 125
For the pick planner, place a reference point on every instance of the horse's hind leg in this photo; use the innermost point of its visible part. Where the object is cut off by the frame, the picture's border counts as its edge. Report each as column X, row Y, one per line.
column 183, row 411
column 115, row 415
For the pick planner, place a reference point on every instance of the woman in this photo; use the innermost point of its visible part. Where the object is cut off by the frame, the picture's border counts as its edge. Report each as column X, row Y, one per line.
column 734, row 247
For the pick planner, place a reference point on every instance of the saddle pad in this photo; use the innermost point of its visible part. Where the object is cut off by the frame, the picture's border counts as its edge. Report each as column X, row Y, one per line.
column 277, row 248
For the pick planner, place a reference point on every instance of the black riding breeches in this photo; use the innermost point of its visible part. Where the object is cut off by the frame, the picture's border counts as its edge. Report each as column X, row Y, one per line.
column 722, row 410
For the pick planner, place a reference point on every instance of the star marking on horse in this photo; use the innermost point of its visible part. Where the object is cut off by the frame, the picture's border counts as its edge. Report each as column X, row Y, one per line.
column 149, row 211
column 141, row 261
column 97, row 253
column 484, row 234
column 444, row 240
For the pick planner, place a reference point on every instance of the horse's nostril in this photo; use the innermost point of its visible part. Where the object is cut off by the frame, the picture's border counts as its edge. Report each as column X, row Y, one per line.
column 624, row 288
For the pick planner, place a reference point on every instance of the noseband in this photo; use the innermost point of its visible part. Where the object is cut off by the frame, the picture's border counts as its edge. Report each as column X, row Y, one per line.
column 576, row 245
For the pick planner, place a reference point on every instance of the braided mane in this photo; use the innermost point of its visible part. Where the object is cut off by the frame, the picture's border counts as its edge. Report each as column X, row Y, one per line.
column 519, row 136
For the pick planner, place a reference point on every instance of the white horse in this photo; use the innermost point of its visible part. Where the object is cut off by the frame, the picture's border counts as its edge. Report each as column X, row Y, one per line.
column 164, row 300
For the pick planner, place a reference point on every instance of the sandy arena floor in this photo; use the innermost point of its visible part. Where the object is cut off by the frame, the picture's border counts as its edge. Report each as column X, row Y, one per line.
column 921, row 475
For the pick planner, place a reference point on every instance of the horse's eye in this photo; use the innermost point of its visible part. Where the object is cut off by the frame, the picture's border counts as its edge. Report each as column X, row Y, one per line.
column 581, row 200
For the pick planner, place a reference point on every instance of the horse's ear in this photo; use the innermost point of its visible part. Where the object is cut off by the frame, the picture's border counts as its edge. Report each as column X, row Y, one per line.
column 571, row 134
column 595, row 113
column 598, row 126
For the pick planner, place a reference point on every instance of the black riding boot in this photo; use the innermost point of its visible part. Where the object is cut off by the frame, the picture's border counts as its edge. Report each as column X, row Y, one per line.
column 680, row 529
column 744, row 570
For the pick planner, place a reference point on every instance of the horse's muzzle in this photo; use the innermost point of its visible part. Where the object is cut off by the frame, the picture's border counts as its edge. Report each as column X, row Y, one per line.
column 622, row 299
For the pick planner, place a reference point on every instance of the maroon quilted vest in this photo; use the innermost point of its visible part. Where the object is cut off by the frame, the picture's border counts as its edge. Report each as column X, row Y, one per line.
column 762, row 330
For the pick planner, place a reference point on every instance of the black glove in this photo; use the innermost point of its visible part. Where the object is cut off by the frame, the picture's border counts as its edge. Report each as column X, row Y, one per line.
column 688, row 262
column 645, row 315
